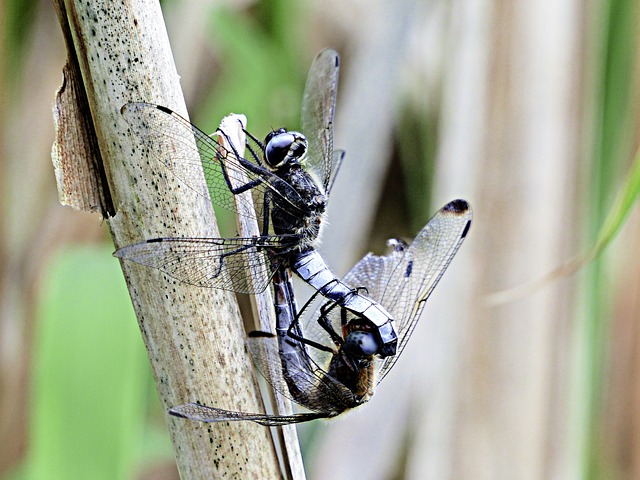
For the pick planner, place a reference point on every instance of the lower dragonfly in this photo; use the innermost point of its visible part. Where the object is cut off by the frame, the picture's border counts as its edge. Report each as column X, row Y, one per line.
column 328, row 373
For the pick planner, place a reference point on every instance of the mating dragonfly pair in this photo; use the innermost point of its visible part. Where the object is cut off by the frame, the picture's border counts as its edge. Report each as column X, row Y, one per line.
column 333, row 360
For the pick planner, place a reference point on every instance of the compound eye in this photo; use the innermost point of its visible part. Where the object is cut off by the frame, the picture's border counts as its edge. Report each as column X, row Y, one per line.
column 272, row 134
column 278, row 148
column 362, row 343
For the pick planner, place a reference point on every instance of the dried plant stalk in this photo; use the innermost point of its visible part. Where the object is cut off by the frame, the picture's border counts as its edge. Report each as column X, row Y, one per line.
column 119, row 52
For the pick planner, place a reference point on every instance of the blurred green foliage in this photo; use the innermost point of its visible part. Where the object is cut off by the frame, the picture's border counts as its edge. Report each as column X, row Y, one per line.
column 261, row 74
column 19, row 20
column 91, row 387
column 613, row 146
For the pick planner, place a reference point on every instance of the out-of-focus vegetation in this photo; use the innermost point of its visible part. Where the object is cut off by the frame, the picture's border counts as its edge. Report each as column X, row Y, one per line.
column 529, row 111
column 95, row 431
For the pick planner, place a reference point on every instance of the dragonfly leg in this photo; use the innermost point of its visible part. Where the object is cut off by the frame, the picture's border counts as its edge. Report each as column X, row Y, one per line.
column 356, row 291
column 325, row 323
column 257, row 169
column 250, row 148
column 296, row 336
column 223, row 256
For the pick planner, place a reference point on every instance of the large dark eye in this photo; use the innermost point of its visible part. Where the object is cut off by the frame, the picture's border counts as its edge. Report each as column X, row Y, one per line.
column 272, row 134
column 361, row 343
column 278, row 148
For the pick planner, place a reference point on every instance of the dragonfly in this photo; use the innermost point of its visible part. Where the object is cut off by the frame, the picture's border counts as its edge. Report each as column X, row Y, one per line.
column 290, row 176
column 330, row 366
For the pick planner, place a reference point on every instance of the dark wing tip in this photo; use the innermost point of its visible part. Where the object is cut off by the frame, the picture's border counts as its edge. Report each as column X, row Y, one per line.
column 458, row 206
column 260, row 334
column 122, row 252
column 177, row 413
column 164, row 109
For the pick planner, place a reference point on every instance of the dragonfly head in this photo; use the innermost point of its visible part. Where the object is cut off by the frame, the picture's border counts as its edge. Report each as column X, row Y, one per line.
column 362, row 344
column 365, row 338
column 284, row 148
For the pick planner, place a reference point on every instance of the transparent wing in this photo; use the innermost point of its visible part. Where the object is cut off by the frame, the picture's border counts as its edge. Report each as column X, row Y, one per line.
column 306, row 382
column 200, row 157
column 338, row 157
column 204, row 413
column 303, row 381
column 318, row 108
column 209, row 262
column 403, row 280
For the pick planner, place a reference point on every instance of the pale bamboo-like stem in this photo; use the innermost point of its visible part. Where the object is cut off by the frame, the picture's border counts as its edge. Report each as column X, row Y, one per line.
column 119, row 52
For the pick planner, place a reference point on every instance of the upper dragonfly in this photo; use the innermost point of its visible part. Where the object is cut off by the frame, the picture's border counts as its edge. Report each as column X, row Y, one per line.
column 290, row 200
column 329, row 372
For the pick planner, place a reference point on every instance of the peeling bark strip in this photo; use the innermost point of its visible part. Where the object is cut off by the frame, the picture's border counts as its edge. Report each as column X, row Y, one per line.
column 80, row 175
column 119, row 52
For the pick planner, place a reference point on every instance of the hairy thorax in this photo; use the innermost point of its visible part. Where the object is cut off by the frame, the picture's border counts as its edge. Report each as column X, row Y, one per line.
column 356, row 374
column 302, row 214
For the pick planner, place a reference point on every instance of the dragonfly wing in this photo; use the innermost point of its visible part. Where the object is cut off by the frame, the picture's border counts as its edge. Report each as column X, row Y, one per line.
column 204, row 413
column 208, row 262
column 338, row 157
column 422, row 266
column 403, row 280
column 301, row 379
column 318, row 109
column 201, row 162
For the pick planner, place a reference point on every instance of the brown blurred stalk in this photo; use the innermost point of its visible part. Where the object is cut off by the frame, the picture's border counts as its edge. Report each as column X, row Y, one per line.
column 514, row 121
column 487, row 393
column 618, row 439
